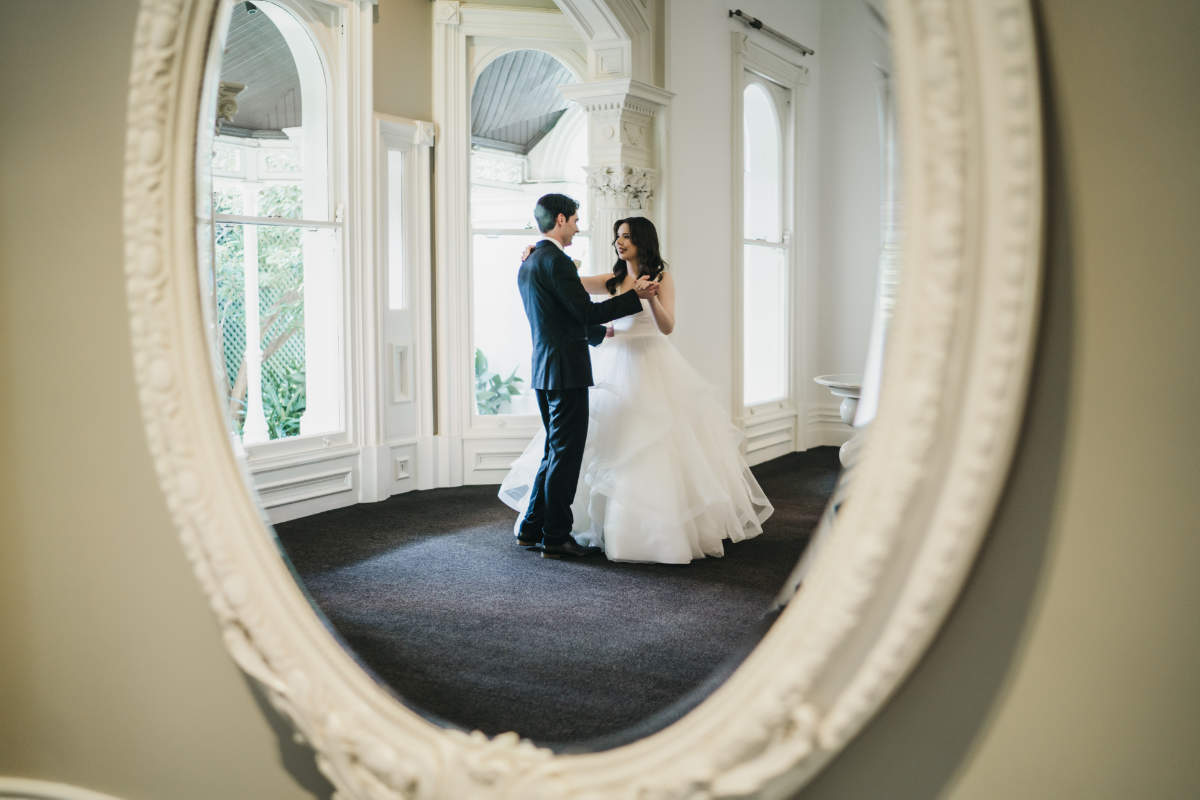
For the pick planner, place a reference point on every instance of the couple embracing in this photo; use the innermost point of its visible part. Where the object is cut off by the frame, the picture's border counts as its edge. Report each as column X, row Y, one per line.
column 642, row 463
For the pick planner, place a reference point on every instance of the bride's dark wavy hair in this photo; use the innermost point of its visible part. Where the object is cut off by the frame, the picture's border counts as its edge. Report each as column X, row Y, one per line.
column 645, row 239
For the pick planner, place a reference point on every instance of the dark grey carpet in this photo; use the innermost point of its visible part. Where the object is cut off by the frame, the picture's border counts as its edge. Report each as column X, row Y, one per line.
column 430, row 593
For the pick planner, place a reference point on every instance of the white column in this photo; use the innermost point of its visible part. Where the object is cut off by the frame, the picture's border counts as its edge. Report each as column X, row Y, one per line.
column 254, row 429
column 622, row 179
column 451, row 113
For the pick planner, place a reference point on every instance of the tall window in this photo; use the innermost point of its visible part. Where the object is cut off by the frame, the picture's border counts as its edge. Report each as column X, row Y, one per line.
column 526, row 141
column 765, row 245
column 278, row 236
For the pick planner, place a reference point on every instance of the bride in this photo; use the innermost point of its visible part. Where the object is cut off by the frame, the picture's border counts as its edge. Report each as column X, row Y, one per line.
column 663, row 478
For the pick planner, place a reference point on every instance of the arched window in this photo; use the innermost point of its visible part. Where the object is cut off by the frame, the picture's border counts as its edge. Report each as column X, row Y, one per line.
column 526, row 141
column 765, row 258
column 277, row 259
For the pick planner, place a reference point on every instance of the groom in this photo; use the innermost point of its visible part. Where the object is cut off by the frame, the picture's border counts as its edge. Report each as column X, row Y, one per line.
column 563, row 321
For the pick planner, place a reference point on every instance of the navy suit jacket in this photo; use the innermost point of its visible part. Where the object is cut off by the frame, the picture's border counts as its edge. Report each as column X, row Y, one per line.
column 562, row 317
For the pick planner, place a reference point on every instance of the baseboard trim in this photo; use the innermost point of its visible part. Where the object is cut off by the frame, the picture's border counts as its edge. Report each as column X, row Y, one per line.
column 833, row 434
column 305, row 487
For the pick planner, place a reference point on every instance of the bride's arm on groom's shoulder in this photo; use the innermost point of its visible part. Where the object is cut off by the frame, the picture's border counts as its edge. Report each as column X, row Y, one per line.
column 595, row 283
column 662, row 305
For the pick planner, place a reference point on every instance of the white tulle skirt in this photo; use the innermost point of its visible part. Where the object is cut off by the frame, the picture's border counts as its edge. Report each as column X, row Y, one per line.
column 663, row 479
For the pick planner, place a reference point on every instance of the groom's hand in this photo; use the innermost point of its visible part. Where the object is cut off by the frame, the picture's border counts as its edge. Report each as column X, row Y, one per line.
column 609, row 332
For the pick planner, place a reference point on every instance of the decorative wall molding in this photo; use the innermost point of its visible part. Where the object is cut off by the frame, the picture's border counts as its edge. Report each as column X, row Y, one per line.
column 512, row 23
column 891, row 564
column 760, row 59
column 620, row 94
column 447, row 12
column 305, row 487
column 621, row 119
column 400, row 364
column 301, row 458
column 501, row 168
column 401, row 468
column 620, row 34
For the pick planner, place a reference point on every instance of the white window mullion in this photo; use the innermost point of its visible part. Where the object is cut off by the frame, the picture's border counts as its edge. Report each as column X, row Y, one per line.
column 278, row 222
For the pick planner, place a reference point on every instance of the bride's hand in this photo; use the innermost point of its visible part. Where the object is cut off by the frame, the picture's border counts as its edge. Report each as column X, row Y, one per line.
column 527, row 251
column 645, row 288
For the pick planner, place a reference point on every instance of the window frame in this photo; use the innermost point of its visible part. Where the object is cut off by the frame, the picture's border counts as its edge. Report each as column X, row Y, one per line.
column 473, row 449
column 777, row 426
column 779, row 100
column 489, row 424
column 324, row 23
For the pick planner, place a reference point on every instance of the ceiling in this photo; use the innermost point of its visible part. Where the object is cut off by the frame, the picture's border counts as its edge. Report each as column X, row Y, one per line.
column 516, row 100
column 257, row 56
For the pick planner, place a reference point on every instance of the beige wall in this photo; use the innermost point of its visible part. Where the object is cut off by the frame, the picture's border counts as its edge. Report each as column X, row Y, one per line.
column 698, row 199
column 404, row 59
column 112, row 673
column 1070, row 669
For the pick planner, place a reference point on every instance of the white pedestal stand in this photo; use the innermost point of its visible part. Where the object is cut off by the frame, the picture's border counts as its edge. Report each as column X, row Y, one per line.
column 849, row 388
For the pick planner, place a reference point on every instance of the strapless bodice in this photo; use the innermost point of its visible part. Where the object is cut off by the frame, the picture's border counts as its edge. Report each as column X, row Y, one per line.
column 637, row 324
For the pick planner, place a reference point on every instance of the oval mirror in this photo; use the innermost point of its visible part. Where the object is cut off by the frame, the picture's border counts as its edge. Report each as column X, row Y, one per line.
column 365, row 437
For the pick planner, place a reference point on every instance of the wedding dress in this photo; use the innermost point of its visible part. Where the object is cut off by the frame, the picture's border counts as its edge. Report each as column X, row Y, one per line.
column 663, row 479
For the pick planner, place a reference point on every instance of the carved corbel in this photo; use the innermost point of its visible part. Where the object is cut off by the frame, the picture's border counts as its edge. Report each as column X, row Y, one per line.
column 622, row 187
column 227, row 106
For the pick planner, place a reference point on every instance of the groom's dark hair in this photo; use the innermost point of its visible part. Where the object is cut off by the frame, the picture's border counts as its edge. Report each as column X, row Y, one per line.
column 549, row 206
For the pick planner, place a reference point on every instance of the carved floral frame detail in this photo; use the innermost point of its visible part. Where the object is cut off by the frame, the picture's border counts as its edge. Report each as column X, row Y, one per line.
column 895, row 558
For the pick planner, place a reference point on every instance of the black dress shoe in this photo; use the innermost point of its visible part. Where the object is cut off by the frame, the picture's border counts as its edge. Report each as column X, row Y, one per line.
column 568, row 548
column 527, row 539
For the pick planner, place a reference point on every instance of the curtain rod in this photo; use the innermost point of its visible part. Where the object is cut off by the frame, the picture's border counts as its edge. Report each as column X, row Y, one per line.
column 758, row 25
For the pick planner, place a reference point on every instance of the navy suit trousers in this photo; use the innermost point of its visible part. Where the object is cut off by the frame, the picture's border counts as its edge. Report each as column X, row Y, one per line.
column 565, row 418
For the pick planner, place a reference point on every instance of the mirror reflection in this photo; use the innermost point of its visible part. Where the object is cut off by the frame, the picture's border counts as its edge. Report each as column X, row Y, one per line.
column 278, row 236
column 547, row 455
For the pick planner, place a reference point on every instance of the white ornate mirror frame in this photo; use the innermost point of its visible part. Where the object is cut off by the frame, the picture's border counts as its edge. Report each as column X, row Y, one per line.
column 894, row 560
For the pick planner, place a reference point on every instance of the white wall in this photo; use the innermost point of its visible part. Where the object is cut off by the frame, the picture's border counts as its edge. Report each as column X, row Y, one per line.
column 838, row 195
column 848, row 184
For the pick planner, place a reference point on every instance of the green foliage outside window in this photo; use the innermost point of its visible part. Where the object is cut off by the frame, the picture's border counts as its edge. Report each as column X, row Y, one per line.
column 493, row 394
column 283, row 403
column 281, row 308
